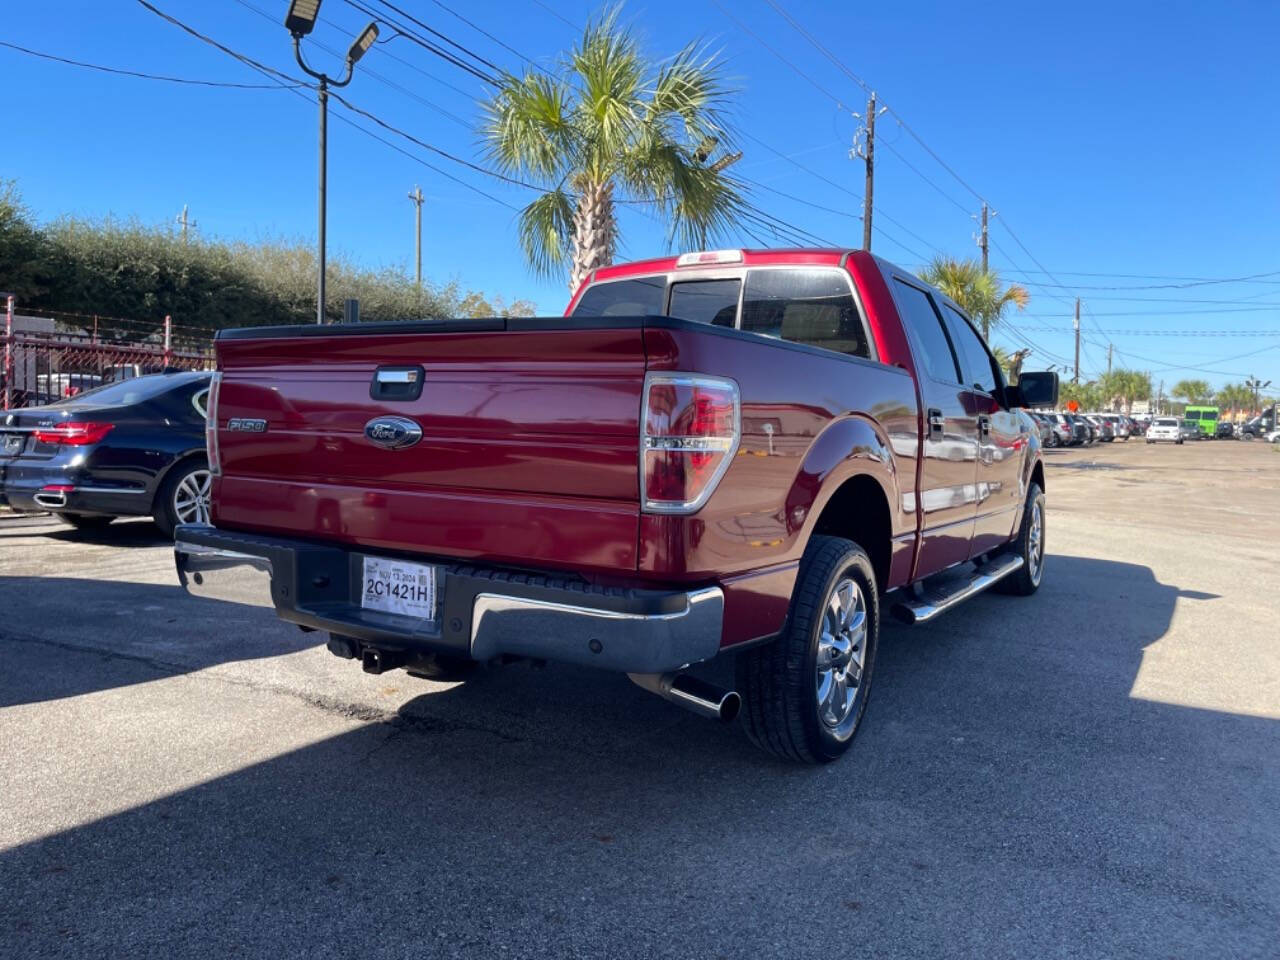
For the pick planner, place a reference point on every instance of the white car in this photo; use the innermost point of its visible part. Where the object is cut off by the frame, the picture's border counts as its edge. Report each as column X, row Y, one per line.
column 1273, row 437
column 1165, row 428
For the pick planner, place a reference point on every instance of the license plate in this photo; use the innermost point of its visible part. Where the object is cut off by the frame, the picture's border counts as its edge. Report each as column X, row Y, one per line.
column 12, row 444
column 392, row 586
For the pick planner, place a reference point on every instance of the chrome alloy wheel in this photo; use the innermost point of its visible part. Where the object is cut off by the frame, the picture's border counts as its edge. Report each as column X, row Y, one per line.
column 842, row 652
column 191, row 497
column 1035, row 543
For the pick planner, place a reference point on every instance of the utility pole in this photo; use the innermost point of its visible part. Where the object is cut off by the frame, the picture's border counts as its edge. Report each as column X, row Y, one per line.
column 1109, row 348
column 864, row 147
column 417, row 199
column 982, row 240
column 184, row 222
column 1159, row 398
column 1076, row 378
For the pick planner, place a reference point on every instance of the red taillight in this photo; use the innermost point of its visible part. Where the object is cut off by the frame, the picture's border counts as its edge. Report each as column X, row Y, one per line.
column 72, row 434
column 688, row 438
column 211, row 426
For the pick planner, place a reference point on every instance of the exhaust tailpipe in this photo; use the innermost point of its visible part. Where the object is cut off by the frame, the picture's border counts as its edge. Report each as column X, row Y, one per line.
column 704, row 699
column 54, row 499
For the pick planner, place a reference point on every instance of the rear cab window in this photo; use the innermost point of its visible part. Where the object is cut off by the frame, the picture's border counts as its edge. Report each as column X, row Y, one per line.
column 810, row 305
column 637, row 297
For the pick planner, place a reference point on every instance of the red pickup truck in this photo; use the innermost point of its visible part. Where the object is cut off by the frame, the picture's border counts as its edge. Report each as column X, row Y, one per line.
column 744, row 452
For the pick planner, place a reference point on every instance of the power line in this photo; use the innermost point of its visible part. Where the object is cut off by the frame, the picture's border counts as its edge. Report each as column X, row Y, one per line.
column 138, row 74
column 1193, row 281
column 412, row 35
column 291, row 83
column 479, row 29
column 367, row 70
column 557, row 14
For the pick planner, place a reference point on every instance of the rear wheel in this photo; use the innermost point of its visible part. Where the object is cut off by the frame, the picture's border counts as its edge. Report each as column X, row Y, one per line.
column 86, row 521
column 184, row 496
column 805, row 693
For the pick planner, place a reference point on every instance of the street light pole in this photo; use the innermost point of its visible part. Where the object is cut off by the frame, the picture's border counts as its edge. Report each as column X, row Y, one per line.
column 300, row 21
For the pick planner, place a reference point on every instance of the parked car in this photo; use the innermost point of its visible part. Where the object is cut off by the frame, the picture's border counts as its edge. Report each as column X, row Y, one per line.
column 715, row 453
column 1090, row 430
column 126, row 371
column 1106, row 430
column 1272, row 437
column 1165, row 430
column 1061, row 428
column 1226, row 430
column 1261, row 425
column 1137, row 426
column 1042, row 424
column 1120, row 425
column 1190, row 429
column 131, row 448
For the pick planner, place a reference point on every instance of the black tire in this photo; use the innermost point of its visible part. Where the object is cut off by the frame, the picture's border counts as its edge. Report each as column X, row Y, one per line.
column 163, row 510
column 86, row 521
column 779, row 681
column 1179, row 441
column 1026, row 580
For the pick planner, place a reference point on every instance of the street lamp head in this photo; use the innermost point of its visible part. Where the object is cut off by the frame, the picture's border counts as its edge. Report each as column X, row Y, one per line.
column 301, row 18
column 363, row 43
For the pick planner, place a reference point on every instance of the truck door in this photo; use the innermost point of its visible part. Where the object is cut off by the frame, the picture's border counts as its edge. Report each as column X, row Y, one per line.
column 946, row 498
column 1001, row 442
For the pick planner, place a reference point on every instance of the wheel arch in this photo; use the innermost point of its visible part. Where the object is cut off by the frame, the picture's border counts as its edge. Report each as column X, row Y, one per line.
column 182, row 459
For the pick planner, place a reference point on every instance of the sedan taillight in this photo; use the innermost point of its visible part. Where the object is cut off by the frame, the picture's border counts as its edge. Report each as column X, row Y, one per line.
column 689, row 433
column 73, row 434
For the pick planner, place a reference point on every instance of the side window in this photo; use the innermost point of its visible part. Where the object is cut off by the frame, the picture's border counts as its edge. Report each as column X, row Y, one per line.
column 919, row 313
column 639, row 297
column 974, row 358
column 706, row 301
column 814, row 307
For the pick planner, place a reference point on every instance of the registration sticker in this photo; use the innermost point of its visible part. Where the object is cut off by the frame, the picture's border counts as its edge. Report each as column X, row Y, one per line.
column 392, row 586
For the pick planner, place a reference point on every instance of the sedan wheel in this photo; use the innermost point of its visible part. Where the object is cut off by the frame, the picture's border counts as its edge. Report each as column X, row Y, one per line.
column 184, row 497
column 191, row 497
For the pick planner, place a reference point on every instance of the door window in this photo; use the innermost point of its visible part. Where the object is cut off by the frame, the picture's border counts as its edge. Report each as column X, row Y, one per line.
column 919, row 313
column 813, row 307
column 706, row 301
column 978, row 367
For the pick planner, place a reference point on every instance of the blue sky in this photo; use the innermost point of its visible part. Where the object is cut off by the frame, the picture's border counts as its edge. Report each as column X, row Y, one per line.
column 1118, row 138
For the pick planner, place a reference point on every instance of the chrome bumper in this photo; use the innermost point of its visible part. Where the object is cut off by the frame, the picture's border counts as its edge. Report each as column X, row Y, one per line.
column 482, row 614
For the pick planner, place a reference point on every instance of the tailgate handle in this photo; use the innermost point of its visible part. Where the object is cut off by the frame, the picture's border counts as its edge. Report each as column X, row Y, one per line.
column 397, row 383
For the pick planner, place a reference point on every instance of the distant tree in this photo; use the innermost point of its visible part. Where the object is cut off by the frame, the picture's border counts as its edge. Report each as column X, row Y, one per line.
column 23, row 251
column 1123, row 387
column 609, row 126
column 979, row 294
column 1088, row 395
column 1235, row 397
column 1193, row 392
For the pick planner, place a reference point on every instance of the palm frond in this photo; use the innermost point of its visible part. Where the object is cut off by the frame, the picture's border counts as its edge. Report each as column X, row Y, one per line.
column 545, row 229
column 527, row 128
column 690, row 89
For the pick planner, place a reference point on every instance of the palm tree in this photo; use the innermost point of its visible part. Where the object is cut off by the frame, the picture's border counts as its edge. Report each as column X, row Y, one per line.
column 978, row 292
column 610, row 126
column 1194, row 392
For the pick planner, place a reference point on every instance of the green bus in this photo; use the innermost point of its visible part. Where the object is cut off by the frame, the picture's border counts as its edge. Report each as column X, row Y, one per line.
column 1206, row 417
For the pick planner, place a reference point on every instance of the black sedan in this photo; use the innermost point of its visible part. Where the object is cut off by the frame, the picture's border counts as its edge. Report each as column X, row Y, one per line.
column 133, row 448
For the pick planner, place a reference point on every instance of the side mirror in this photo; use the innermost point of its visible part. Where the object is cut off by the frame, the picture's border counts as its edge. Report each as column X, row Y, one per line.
column 1039, row 389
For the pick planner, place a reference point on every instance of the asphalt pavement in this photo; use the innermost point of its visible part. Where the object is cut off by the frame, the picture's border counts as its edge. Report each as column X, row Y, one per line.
column 1093, row 771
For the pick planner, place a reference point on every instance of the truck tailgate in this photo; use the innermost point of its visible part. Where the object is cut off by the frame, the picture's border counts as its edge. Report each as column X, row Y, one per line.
column 529, row 449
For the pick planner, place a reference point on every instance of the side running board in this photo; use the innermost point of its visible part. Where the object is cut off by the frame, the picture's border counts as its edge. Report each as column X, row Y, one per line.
column 936, row 600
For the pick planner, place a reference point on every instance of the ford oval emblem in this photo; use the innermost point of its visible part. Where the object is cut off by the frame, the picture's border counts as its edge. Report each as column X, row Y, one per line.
column 394, row 433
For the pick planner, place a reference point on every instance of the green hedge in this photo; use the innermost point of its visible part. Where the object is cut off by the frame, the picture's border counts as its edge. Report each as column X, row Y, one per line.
column 130, row 270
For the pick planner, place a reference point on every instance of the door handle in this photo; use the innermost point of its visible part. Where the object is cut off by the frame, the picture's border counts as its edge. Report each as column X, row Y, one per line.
column 937, row 422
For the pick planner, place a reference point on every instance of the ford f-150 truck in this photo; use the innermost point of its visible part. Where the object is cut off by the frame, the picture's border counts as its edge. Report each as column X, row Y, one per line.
column 730, row 452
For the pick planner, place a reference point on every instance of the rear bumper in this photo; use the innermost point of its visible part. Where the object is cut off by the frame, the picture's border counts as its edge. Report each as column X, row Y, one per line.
column 23, row 485
column 481, row 613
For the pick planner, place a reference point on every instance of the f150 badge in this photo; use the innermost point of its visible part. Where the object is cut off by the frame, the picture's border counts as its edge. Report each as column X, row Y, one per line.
column 394, row 433
column 247, row 425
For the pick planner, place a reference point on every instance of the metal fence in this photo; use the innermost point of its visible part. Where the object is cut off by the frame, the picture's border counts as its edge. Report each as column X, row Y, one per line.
column 48, row 358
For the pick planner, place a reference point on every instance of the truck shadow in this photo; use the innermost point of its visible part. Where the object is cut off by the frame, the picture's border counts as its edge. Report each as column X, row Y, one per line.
column 1005, row 774
column 134, row 632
